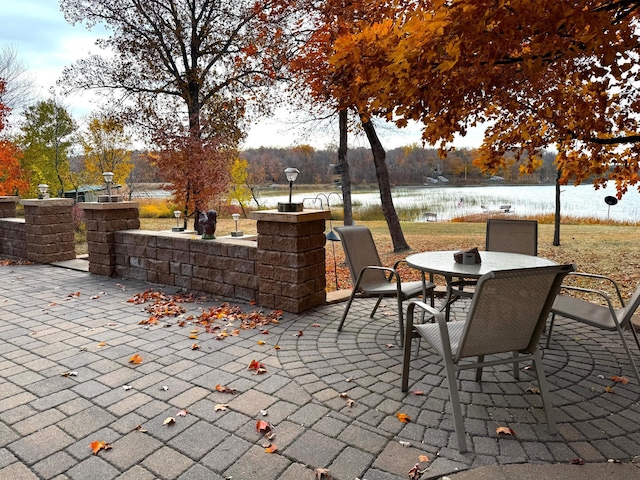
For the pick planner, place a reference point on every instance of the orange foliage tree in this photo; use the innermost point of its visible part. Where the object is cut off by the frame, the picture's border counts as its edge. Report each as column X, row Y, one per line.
column 12, row 180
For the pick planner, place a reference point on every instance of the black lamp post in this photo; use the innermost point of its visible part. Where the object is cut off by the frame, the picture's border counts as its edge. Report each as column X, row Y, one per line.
column 291, row 174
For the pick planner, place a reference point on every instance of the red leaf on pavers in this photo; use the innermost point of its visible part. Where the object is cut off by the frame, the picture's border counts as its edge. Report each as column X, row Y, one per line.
column 225, row 389
column 622, row 380
column 271, row 448
column 98, row 445
column 403, row 417
column 505, row 431
column 577, row 461
column 414, row 473
column 255, row 365
column 299, row 334
column 263, row 426
column 322, row 474
column 136, row 359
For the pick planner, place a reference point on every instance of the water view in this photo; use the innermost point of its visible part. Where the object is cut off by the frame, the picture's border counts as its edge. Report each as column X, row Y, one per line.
column 453, row 202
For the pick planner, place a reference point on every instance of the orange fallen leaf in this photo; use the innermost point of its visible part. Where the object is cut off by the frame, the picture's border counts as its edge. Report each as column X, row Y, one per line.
column 403, row 417
column 102, row 344
column 277, row 347
column 193, row 337
column 169, row 421
column 98, row 445
column 260, row 342
column 622, row 380
column 255, row 365
column 271, row 448
column 136, row 359
column 225, row 389
column 423, row 458
column 505, row 431
column 195, row 346
column 263, row 426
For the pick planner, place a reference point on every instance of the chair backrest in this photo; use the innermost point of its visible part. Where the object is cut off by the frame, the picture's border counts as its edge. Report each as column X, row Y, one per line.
column 512, row 236
column 509, row 310
column 360, row 252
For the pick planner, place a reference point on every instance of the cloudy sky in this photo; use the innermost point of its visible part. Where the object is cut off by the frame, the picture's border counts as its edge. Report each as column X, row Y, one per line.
column 46, row 43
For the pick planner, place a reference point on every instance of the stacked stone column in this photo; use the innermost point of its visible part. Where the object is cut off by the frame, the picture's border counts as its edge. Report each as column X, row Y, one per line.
column 49, row 233
column 8, row 207
column 291, row 259
column 102, row 220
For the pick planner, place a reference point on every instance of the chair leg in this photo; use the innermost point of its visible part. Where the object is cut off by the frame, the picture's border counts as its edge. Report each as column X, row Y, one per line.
column 553, row 319
column 479, row 369
column 346, row 309
column 456, row 410
column 373, row 312
column 626, row 349
column 544, row 392
column 401, row 321
column 516, row 366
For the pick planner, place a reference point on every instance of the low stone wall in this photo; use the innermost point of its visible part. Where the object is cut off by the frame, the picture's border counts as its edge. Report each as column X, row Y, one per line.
column 224, row 266
column 13, row 237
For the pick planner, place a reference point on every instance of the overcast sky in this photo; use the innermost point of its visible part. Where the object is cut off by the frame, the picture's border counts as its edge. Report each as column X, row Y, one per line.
column 46, row 43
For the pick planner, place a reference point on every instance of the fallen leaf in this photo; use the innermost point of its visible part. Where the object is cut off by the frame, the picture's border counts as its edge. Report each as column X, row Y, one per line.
column 277, row 347
column 404, row 444
column 69, row 374
column 534, row 390
column 316, row 325
column 391, row 345
column 505, row 431
column 299, row 334
column 73, row 295
column 169, row 421
column 126, row 387
column 423, row 458
column 195, row 346
column 193, row 337
column 322, row 474
column 164, row 388
column 609, row 389
column 225, row 389
column 343, row 395
column 414, row 473
column 622, row 380
column 140, row 429
column 263, row 413
column 263, row 426
column 403, row 417
column 136, row 359
column 255, row 365
column 182, row 413
column 260, row 342
column 418, row 392
column 271, row 448
column 614, row 460
column 98, row 445
column 350, row 402
column 221, row 407
column 577, row 461
column 94, row 297
column 102, row 344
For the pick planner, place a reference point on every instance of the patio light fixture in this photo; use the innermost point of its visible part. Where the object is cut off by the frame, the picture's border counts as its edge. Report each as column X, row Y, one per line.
column 292, row 175
column 44, row 189
column 108, row 178
column 236, row 217
column 177, row 228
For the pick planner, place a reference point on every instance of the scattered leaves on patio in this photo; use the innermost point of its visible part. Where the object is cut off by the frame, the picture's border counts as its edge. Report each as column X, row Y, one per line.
column 182, row 413
column 505, row 431
column 257, row 367
column 69, row 374
column 534, row 390
column 322, row 474
column 263, row 427
column 271, row 448
column 169, row 421
column 221, row 407
column 414, row 473
column 577, row 461
column 98, row 445
column 403, row 417
column 423, row 458
column 140, row 429
column 195, row 346
column 622, row 380
column 225, row 389
column 136, row 359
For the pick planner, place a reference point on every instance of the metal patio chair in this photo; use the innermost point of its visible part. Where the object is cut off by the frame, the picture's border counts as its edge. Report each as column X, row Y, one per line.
column 507, row 315
column 604, row 317
column 513, row 236
column 370, row 278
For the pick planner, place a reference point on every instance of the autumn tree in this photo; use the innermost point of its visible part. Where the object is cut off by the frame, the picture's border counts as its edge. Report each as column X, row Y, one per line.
column 538, row 73
column 12, row 179
column 196, row 64
column 46, row 137
column 239, row 189
column 106, row 148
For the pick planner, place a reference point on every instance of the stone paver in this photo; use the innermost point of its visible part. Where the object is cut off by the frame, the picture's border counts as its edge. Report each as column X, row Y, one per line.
column 47, row 421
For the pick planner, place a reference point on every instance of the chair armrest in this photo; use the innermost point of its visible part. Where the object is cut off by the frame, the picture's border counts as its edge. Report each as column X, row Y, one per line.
column 440, row 319
column 599, row 293
column 392, row 273
column 599, row 277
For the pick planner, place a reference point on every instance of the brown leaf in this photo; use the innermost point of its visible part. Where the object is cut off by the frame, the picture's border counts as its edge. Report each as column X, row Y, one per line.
column 98, row 445
column 195, row 346
column 136, row 359
column 350, row 402
column 169, row 421
column 277, row 347
column 271, row 448
column 140, row 429
column 225, row 389
column 182, row 413
column 505, row 431
column 255, row 365
column 263, row 426
column 423, row 458
column 609, row 389
column 221, row 407
column 414, row 473
column 316, row 325
column 193, row 337
column 391, row 345
column 403, row 417
column 534, row 390
column 622, row 380
column 322, row 474
column 102, row 344
column 577, row 461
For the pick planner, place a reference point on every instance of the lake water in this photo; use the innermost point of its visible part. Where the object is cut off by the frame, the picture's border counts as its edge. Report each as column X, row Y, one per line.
column 452, row 202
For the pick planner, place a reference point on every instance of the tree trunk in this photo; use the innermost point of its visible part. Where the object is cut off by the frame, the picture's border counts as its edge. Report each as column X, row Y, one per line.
column 556, row 225
column 344, row 169
column 382, row 174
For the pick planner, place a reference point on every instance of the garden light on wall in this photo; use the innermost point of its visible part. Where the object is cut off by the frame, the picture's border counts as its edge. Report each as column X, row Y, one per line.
column 236, row 217
column 292, row 175
column 44, row 191
column 177, row 228
column 108, row 178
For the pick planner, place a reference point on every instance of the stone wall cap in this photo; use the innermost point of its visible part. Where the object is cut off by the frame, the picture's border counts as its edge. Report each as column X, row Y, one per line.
column 107, row 205
column 290, row 217
column 8, row 199
column 46, row 202
column 13, row 219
